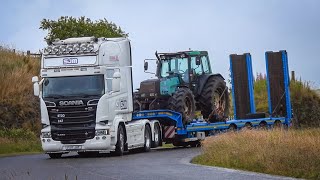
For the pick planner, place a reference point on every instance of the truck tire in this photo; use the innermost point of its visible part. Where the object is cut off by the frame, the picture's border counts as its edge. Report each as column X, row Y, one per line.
column 147, row 139
column 214, row 100
column 157, row 136
column 182, row 101
column 55, row 155
column 120, row 141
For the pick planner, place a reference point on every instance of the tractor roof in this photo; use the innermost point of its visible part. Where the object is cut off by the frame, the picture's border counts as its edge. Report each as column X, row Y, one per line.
column 182, row 54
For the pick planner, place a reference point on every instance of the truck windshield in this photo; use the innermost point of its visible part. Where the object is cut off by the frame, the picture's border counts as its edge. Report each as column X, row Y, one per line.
column 55, row 87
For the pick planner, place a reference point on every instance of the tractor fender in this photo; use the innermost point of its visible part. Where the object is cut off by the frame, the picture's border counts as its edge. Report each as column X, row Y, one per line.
column 203, row 80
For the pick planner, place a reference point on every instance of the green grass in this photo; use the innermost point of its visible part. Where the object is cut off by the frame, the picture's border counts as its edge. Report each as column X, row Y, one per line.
column 293, row 153
column 18, row 141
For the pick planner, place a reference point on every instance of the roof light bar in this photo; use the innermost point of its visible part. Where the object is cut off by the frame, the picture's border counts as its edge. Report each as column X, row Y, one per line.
column 70, row 49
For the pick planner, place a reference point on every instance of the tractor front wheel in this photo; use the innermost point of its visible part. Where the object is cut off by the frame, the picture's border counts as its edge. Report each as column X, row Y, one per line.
column 183, row 102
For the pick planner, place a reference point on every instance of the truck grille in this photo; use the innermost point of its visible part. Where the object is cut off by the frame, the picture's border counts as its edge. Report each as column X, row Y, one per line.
column 72, row 124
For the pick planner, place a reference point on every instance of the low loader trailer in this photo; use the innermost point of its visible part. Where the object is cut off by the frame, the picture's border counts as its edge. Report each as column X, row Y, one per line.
column 279, row 115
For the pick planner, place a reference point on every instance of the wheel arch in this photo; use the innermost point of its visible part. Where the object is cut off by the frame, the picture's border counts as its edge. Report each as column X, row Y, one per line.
column 119, row 122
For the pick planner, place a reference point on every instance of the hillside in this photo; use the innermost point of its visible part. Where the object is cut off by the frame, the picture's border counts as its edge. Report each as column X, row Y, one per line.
column 18, row 107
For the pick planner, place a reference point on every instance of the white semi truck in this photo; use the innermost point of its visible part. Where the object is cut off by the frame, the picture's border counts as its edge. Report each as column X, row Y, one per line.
column 85, row 91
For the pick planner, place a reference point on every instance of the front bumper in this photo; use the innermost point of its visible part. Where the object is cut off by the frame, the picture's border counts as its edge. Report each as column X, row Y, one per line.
column 98, row 143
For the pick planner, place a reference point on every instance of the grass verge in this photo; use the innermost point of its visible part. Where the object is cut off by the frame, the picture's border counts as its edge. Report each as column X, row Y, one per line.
column 293, row 153
column 18, row 141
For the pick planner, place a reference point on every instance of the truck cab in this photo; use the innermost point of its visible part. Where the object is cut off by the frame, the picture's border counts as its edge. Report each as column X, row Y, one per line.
column 85, row 93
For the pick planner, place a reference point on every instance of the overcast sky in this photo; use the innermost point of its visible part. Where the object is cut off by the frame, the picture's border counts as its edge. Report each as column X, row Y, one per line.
column 221, row 27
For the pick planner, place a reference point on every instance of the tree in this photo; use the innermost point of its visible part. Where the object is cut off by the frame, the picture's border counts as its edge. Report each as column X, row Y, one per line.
column 66, row 27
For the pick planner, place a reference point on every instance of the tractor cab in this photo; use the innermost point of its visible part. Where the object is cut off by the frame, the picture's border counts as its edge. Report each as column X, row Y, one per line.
column 182, row 68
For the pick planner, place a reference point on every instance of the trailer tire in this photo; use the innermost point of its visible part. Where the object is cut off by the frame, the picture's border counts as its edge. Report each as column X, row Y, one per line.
column 147, row 139
column 55, row 155
column 214, row 99
column 120, row 141
column 277, row 125
column 183, row 101
column 232, row 128
column 263, row 125
column 247, row 126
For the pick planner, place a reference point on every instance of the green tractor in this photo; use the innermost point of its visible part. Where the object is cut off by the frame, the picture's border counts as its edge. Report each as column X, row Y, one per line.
column 185, row 84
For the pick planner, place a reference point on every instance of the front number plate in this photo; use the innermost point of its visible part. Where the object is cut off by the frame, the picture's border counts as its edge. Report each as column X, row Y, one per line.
column 72, row 147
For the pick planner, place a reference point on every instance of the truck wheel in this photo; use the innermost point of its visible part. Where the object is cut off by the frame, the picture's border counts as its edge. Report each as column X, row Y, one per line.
column 120, row 142
column 183, row 102
column 214, row 99
column 157, row 136
column 147, row 139
column 55, row 155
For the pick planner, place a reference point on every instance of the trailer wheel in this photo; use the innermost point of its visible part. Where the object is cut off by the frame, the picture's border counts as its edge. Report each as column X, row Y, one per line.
column 157, row 136
column 263, row 125
column 214, row 100
column 247, row 126
column 195, row 144
column 232, row 128
column 55, row 155
column 277, row 125
column 147, row 139
column 120, row 142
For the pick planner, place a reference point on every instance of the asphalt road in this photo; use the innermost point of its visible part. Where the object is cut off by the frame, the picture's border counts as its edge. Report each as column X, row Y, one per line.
column 157, row 164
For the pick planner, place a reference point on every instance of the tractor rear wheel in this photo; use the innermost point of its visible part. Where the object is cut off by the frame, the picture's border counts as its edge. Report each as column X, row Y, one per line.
column 214, row 99
column 182, row 101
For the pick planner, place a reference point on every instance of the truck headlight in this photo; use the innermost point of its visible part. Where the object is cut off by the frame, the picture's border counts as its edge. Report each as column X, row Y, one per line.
column 90, row 47
column 55, row 49
column 69, row 48
column 46, row 135
column 83, row 47
column 76, row 48
column 48, row 49
column 62, row 49
column 101, row 132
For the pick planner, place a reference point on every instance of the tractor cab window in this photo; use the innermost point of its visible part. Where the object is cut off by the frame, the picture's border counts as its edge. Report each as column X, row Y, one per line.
column 197, row 69
column 205, row 64
column 176, row 66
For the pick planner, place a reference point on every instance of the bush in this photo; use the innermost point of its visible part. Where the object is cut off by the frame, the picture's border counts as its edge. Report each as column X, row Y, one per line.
column 305, row 102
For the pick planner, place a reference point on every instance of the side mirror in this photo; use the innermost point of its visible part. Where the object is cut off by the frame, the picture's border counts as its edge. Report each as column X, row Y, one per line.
column 198, row 61
column 35, row 79
column 36, row 88
column 145, row 66
column 116, row 82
